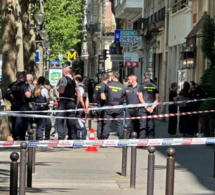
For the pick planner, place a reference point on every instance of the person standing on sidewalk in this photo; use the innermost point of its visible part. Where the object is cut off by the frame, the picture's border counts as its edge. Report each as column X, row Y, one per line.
column 172, row 125
column 131, row 94
column 115, row 95
column 82, row 132
column 21, row 97
column 41, row 101
column 67, row 100
column 99, row 98
column 147, row 93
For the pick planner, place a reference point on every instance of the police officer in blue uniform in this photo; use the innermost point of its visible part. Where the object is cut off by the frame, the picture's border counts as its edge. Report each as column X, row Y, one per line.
column 69, row 97
column 99, row 98
column 21, row 97
column 147, row 93
column 115, row 94
column 131, row 94
column 41, row 100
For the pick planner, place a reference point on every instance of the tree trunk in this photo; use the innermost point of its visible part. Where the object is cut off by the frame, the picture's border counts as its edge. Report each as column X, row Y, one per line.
column 9, row 55
column 19, row 39
column 28, row 37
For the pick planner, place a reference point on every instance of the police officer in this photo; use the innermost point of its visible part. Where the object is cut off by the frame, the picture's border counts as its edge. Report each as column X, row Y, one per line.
column 67, row 100
column 41, row 100
column 99, row 98
column 147, row 93
column 115, row 94
column 21, row 96
column 131, row 94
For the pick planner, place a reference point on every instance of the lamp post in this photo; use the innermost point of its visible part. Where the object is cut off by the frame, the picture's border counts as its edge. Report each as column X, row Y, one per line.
column 39, row 18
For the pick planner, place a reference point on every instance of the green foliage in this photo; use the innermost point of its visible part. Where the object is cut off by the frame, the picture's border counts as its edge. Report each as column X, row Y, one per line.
column 208, row 81
column 208, row 105
column 63, row 21
column 208, row 40
column 208, row 78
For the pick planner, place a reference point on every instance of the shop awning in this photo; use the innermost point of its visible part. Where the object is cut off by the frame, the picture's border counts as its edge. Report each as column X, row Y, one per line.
column 196, row 28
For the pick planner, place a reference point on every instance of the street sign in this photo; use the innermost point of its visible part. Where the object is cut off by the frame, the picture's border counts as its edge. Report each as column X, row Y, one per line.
column 54, row 63
column 131, row 59
column 112, row 50
column 126, row 44
column 37, row 56
column 72, row 55
column 116, row 58
column 126, row 36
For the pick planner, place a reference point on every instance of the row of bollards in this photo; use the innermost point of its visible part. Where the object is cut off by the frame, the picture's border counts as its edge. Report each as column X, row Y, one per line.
column 30, row 163
column 151, row 166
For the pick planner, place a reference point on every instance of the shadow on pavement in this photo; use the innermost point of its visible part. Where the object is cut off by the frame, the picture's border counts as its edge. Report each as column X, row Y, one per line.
column 48, row 190
column 197, row 159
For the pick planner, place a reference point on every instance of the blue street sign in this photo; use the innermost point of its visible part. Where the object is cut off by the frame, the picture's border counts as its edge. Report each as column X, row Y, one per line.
column 54, row 62
column 117, row 36
column 37, row 56
column 112, row 50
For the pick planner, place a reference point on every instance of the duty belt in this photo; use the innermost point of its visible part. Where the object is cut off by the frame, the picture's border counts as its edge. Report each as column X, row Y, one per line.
column 65, row 98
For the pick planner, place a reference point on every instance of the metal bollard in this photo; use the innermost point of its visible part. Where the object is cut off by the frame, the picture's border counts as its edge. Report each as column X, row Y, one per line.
column 30, row 161
column 22, row 174
column 124, row 152
column 14, row 156
column 170, row 171
column 89, row 121
column 151, row 168
column 133, row 162
column 214, row 158
column 34, row 128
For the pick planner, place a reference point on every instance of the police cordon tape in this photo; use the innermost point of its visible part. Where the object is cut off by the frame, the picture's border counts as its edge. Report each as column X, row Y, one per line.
column 112, row 143
column 117, row 107
column 113, row 119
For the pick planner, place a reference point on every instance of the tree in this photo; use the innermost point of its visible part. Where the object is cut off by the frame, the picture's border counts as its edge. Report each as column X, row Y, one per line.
column 8, row 52
column 208, row 48
column 63, row 21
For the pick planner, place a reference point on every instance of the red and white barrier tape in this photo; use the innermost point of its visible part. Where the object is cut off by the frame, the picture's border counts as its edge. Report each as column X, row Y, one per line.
column 97, row 119
column 112, row 143
column 118, row 106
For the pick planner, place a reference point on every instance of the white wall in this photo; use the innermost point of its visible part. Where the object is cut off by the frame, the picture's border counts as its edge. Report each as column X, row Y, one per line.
column 180, row 25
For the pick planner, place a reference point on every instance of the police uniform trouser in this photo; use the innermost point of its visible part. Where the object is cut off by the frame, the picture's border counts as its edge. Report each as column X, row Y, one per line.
column 113, row 113
column 41, row 122
column 132, row 125
column 147, row 125
column 66, row 105
column 100, row 123
column 21, row 124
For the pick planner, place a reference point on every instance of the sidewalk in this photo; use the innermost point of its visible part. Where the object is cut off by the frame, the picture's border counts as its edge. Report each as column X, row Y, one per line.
column 74, row 171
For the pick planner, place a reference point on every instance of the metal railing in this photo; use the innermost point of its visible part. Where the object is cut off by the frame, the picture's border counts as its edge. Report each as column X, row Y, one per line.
column 178, row 6
column 156, row 17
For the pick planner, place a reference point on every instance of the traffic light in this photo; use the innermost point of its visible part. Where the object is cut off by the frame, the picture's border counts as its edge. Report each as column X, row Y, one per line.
column 104, row 54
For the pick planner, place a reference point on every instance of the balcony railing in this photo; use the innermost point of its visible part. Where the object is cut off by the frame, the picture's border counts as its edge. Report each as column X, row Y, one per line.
column 178, row 6
column 156, row 17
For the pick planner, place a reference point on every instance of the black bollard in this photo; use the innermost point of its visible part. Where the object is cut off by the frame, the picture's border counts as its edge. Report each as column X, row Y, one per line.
column 170, row 171
column 22, row 175
column 89, row 121
column 34, row 128
column 124, row 152
column 151, row 169
column 14, row 173
column 30, row 160
column 133, row 162
column 214, row 158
